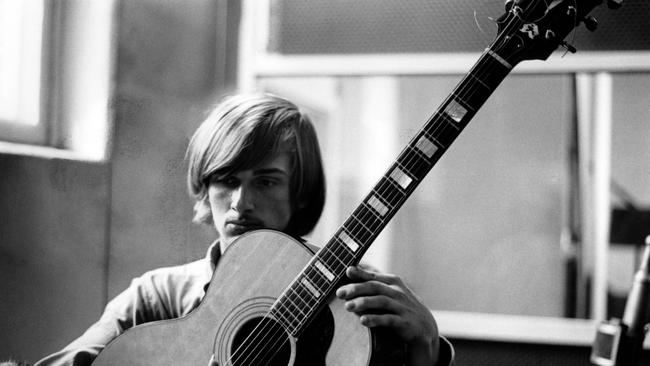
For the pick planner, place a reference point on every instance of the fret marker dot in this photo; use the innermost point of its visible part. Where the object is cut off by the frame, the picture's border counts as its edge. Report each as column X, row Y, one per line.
column 400, row 177
column 426, row 146
column 455, row 111
column 326, row 272
column 377, row 205
column 348, row 241
column 305, row 282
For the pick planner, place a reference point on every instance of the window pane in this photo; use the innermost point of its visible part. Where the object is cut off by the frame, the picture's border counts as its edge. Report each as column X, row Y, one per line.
column 21, row 26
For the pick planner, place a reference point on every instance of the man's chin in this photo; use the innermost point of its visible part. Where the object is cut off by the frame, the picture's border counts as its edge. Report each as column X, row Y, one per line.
column 234, row 233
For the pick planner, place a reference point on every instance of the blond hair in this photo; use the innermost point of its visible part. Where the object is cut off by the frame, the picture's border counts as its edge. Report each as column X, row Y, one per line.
column 247, row 129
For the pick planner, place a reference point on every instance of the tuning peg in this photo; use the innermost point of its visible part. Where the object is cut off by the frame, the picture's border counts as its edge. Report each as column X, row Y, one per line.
column 549, row 35
column 571, row 11
column 614, row 4
column 591, row 23
column 569, row 47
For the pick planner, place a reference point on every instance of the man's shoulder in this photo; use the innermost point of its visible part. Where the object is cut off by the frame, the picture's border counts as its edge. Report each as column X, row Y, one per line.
column 196, row 272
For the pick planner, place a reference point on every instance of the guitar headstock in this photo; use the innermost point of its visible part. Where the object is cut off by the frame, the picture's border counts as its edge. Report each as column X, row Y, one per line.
column 533, row 29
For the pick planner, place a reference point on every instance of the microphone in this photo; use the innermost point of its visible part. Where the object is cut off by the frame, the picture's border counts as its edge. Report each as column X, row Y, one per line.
column 619, row 342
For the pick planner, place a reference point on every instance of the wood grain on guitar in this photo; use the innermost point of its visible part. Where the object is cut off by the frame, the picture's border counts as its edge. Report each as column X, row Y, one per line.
column 271, row 299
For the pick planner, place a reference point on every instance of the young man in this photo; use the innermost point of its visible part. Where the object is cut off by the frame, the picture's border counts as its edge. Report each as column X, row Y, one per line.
column 254, row 163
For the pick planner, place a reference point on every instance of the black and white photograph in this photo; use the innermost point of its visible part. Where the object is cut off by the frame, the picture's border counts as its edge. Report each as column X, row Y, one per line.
column 324, row 182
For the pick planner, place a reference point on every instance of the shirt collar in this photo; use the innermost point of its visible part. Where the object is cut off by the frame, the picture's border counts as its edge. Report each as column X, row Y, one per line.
column 212, row 258
column 213, row 254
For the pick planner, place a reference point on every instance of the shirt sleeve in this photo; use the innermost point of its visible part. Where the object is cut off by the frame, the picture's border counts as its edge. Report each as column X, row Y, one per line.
column 123, row 312
column 447, row 353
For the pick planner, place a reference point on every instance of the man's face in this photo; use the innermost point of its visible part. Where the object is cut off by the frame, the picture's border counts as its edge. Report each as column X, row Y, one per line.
column 257, row 198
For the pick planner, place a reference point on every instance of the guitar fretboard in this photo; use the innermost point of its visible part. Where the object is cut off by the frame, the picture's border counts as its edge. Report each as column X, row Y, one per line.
column 324, row 273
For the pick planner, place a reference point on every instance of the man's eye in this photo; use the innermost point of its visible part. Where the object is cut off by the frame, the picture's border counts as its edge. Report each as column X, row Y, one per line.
column 266, row 182
column 228, row 181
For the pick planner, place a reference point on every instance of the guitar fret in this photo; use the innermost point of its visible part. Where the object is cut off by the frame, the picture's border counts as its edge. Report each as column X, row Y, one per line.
column 343, row 254
column 324, row 270
column 318, row 278
column 332, row 255
column 479, row 80
column 444, row 133
column 410, row 149
column 455, row 111
column 405, row 170
column 286, row 317
column 501, row 60
column 277, row 314
column 491, row 71
column 302, row 296
column 400, row 177
column 392, row 183
column 438, row 120
column 391, row 195
column 348, row 240
column 315, row 280
column 425, row 146
column 368, row 218
column 388, row 192
column 311, row 287
column 359, row 233
column 358, row 220
column 289, row 301
column 416, row 168
column 432, row 138
column 463, row 102
column 378, row 206
column 469, row 101
column 344, row 241
column 442, row 125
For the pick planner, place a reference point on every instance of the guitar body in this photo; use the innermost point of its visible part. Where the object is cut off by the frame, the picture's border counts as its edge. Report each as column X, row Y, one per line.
column 251, row 274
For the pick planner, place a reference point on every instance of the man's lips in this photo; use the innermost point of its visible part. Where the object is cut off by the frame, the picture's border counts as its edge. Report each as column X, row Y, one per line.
column 238, row 227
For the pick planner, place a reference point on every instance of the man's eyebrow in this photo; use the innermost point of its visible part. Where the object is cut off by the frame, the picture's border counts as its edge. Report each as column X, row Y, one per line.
column 271, row 171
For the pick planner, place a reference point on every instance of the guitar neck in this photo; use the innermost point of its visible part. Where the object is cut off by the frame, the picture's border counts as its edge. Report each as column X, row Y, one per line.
column 323, row 273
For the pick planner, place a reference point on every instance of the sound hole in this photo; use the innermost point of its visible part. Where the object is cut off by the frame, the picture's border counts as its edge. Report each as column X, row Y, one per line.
column 260, row 342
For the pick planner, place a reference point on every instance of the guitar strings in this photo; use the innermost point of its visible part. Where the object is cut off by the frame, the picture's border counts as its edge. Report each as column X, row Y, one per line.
column 383, row 186
column 436, row 124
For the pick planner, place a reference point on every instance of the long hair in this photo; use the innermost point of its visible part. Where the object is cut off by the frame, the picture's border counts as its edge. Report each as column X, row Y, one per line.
column 247, row 129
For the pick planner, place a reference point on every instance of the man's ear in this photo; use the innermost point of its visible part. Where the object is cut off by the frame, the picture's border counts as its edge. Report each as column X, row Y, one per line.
column 203, row 212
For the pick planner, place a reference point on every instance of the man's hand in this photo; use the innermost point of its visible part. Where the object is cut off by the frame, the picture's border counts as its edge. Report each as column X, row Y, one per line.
column 383, row 300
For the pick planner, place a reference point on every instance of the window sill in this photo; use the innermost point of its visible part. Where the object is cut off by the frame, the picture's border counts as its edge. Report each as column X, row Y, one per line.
column 45, row 152
column 518, row 328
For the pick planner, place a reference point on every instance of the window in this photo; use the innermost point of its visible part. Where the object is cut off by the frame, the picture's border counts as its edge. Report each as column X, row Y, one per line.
column 21, row 40
column 56, row 60
column 351, row 61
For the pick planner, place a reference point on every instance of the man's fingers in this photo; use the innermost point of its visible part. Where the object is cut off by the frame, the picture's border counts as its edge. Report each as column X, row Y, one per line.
column 361, row 305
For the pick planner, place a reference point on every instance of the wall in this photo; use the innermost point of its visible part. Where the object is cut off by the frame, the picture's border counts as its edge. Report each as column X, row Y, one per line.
column 54, row 216
column 74, row 233
column 165, row 86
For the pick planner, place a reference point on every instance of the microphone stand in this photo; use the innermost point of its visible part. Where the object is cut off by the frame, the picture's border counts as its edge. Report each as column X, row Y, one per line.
column 619, row 342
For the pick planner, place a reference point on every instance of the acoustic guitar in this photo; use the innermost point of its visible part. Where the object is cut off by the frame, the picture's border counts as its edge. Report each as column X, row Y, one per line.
column 282, row 310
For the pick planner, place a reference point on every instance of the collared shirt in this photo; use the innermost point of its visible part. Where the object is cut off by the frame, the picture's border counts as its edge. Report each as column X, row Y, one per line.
column 163, row 293
column 160, row 294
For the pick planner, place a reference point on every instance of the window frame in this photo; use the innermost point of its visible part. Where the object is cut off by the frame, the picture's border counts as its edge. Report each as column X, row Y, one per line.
column 256, row 62
column 37, row 134
column 77, row 84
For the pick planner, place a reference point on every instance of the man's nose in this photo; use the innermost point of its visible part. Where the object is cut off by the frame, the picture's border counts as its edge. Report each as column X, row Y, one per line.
column 242, row 199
